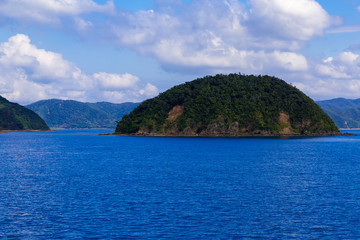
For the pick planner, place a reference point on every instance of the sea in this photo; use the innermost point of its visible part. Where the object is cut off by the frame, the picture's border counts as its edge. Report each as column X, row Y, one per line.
column 77, row 184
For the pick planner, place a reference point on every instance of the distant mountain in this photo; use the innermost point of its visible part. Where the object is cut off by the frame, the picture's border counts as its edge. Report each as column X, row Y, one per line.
column 73, row 114
column 344, row 112
column 16, row 117
column 229, row 105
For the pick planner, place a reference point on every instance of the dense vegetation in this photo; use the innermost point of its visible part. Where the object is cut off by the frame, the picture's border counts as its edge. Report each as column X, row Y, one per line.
column 72, row 114
column 229, row 105
column 16, row 117
column 344, row 112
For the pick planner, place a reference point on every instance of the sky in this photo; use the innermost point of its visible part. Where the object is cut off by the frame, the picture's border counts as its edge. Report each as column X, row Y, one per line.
column 128, row 51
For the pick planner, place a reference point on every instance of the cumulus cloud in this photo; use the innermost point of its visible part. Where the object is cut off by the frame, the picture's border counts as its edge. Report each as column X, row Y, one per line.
column 82, row 25
column 203, row 37
column 49, row 11
column 344, row 66
column 345, row 29
column 116, row 81
column 291, row 19
column 263, row 37
column 323, row 89
column 337, row 76
column 225, row 35
column 41, row 65
column 29, row 74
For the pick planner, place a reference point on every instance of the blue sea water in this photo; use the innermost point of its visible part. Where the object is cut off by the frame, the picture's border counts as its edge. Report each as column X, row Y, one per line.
column 70, row 184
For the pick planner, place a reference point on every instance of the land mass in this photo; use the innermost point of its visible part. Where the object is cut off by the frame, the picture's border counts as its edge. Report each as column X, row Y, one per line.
column 344, row 112
column 73, row 114
column 229, row 105
column 16, row 117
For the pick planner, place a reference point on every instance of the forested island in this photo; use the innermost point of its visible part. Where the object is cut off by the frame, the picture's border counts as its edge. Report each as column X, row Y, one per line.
column 229, row 105
column 16, row 117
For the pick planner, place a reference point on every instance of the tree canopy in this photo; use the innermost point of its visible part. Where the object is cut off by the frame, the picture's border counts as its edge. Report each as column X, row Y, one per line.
column 252, row 103
column 16, row 117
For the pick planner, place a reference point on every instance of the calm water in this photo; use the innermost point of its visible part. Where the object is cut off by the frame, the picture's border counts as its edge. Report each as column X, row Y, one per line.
column 65, row 185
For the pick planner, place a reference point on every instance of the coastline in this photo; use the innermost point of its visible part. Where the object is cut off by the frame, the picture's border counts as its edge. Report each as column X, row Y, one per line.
column 6, row 131
column 228, row 136
column 10, row 131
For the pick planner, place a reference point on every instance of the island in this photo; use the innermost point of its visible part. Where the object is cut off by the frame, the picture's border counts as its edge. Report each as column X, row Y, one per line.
column 229, row 105
column 16, row 117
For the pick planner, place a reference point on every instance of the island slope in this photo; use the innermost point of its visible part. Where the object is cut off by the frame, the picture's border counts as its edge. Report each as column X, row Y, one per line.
column 344, row 112
column 16, row 117
column 73, row 114
column 229, row 105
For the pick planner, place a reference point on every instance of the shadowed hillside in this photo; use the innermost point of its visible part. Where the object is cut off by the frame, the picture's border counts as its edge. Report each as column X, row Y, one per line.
column 16, row 117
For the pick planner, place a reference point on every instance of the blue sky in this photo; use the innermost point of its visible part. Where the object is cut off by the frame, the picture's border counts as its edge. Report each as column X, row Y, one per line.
column 118, row 51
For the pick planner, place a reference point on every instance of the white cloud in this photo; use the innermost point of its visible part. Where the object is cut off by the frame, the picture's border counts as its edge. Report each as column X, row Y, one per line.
column 28, row 74
column 321, row 89
column 116, row 81
column 349, row 58
column 224, row 35
column 345, row 29
column 332, row 71
column 149, row 90
column 49, row 11
column 264, row 37
column 289, row 19
column 41, row 65
column 206, row 36
column 344, row 66
column 203, row 37
column 229, row 60
column 335, row 76
column 82, row 25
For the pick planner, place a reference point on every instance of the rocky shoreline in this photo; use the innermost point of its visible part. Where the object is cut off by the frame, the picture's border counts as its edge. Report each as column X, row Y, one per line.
column 5, row 131
column 247, row 135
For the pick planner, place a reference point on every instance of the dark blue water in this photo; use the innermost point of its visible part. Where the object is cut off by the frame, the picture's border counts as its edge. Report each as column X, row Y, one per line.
column 63, row 185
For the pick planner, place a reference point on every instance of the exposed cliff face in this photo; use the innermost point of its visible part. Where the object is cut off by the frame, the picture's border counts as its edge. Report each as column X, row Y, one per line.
column 175, row 113
column 232, row 105
column 285, row 125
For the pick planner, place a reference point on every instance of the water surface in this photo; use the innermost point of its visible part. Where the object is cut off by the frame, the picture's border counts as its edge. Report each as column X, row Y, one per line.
column 69, row 185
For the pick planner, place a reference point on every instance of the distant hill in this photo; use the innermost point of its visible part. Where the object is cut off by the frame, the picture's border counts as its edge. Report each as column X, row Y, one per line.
column 73, row 114
column 229, row 105
column 16, row 117
column 344, row 112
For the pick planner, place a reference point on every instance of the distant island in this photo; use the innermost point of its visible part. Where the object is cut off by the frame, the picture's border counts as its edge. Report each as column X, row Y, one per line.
column 344, row 112
column 229, row 105
column 16, row 117
column 73, row 114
